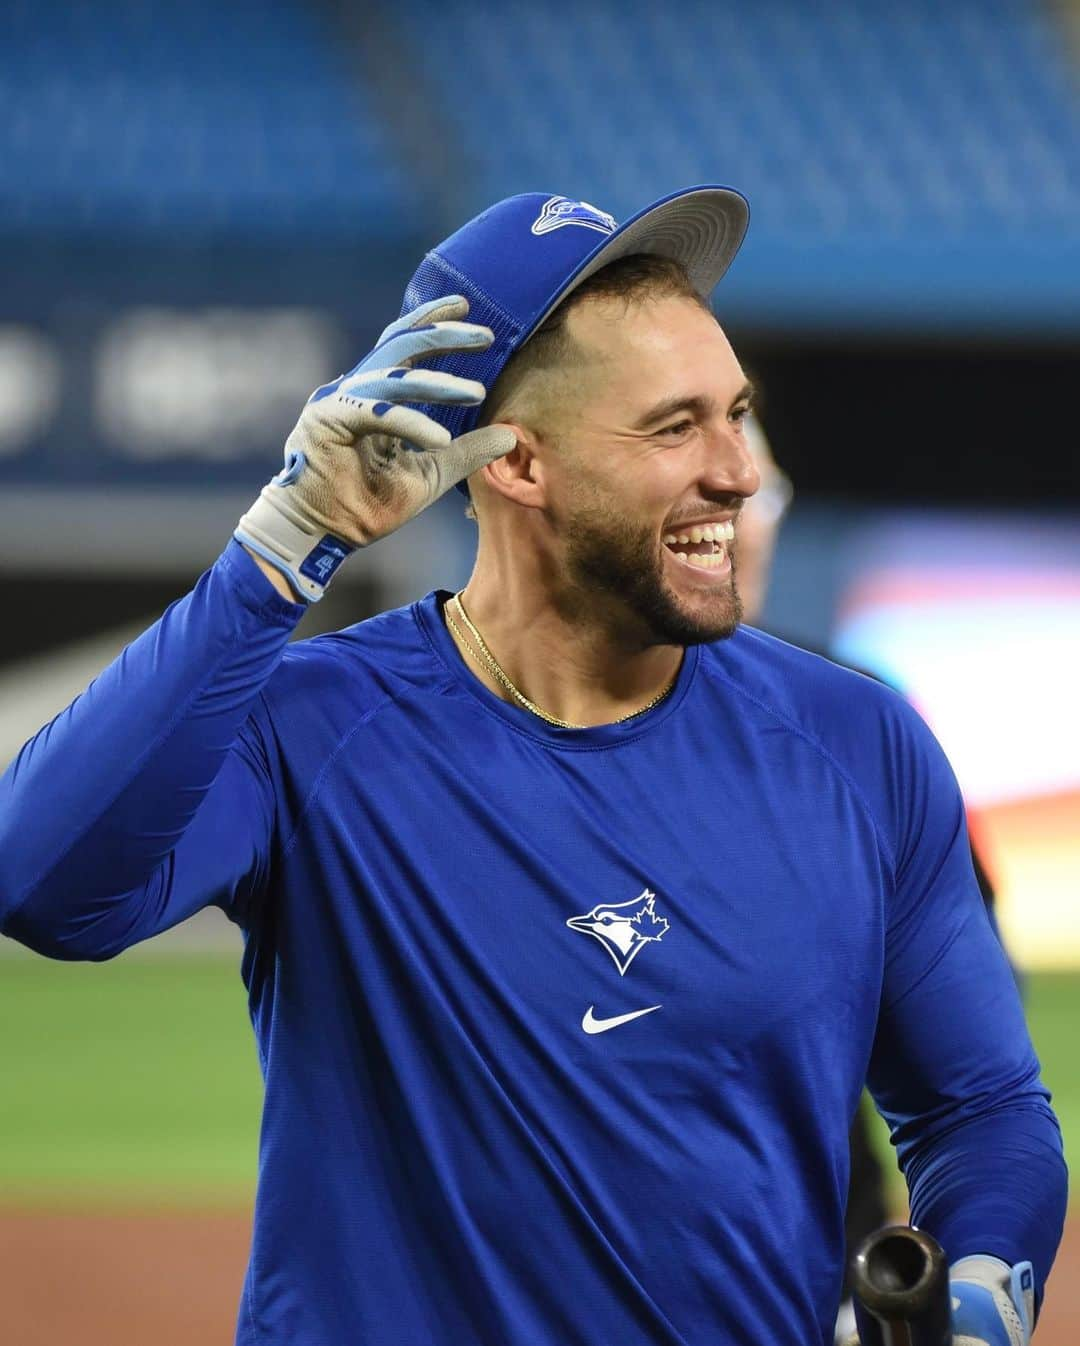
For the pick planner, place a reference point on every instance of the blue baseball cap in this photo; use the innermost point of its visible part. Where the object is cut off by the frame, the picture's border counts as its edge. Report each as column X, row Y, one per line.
column 518, row 260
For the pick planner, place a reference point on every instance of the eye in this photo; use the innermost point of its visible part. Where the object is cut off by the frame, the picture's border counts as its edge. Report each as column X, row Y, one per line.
column 679, row 428
column 739, row 414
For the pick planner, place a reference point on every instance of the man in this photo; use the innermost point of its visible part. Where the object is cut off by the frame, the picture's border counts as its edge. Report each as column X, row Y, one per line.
column 541, row 884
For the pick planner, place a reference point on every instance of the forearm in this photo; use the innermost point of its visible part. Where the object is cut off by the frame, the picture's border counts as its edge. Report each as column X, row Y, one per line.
column 98, row 801
column 100, row 796
column 996, row 1184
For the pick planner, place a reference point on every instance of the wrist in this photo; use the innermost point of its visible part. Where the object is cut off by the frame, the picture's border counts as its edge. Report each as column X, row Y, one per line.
column 303, row 553
column 273, row 574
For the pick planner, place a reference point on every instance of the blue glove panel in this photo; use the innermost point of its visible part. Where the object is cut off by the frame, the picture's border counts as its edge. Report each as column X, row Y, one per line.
column 981, row 1316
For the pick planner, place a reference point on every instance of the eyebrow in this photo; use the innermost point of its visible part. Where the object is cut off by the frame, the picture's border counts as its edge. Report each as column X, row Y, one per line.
column 700, row 406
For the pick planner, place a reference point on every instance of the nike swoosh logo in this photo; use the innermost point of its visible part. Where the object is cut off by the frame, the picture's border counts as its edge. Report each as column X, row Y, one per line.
column 592, row 1025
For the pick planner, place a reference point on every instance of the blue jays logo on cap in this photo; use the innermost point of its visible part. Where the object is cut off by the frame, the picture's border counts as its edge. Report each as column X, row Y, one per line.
column 560, row 210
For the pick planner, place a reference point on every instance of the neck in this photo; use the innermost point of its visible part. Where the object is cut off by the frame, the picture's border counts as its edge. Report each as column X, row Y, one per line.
column 575, row 669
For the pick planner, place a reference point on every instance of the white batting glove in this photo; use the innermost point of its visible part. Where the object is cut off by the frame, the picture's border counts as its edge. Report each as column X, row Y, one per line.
column 360, row 462
column 993, row 1304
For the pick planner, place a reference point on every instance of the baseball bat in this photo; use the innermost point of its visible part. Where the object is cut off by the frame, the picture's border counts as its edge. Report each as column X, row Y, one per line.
column 900, row 1285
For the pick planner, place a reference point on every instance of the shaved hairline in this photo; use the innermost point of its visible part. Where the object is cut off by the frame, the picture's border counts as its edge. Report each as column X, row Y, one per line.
column 634, row 279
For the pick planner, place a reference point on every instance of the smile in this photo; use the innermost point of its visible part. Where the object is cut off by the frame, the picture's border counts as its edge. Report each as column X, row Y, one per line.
column 704, row 546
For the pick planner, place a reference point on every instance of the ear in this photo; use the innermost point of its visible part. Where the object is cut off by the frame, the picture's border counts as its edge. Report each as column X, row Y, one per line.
column 518, row 475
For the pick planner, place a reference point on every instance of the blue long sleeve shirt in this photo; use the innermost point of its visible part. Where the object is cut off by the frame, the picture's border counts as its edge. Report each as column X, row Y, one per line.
column 561, row 1030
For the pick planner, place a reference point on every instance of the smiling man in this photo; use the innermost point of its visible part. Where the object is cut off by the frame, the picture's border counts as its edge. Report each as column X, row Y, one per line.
column 547, row 886
column 605, row 534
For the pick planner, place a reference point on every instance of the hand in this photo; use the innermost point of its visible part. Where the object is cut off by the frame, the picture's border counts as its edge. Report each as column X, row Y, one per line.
column 993, row 1304
column 360, row 463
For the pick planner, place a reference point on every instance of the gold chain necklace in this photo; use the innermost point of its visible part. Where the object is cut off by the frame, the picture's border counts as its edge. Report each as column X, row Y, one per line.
column 484, row 656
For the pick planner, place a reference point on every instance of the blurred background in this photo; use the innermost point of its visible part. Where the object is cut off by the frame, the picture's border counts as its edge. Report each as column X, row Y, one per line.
column 207, row 209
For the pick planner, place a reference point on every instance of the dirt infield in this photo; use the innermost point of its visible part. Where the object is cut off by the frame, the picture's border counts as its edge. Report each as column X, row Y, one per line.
column 174, row 1280
column 127, row 1280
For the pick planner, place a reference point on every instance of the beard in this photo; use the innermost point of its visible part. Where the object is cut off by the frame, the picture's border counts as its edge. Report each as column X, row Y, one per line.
column 619, row 565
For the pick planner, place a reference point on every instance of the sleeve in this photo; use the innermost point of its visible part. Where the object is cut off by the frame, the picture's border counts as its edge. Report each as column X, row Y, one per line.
column 150, row 796
column 953, row 1069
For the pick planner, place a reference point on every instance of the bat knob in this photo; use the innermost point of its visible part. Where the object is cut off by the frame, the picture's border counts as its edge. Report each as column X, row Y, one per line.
column 900, row 1285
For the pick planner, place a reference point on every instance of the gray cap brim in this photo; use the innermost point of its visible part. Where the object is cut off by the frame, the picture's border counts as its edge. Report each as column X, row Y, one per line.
column 700, row 227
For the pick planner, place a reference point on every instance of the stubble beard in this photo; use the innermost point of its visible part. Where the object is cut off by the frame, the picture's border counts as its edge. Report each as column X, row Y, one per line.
column 621, row 566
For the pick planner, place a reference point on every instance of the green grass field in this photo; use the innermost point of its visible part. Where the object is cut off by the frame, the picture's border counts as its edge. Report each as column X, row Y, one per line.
column 136, row 1082
column 130, row 1081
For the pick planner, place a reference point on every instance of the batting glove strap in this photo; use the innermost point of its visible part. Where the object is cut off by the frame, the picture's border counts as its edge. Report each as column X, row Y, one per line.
column 305, row 554
column 993, row 1304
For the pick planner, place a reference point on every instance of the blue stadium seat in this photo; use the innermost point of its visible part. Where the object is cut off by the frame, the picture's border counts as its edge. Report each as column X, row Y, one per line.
column 131, row 116
column 836, row 118
column 902, row 161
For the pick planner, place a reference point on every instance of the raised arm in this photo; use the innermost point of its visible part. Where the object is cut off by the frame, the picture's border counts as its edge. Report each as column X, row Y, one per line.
column 152, row 794
column 94, row 806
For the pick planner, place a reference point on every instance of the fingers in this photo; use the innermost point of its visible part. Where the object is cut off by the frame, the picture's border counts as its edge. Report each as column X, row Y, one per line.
column 449, row 307
column 453, row 307
column 439, row 338
column 364, row 416
column 417, row 385
column 469, row 452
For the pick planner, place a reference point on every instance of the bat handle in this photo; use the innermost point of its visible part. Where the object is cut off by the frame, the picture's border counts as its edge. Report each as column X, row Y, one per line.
column 900, row 1285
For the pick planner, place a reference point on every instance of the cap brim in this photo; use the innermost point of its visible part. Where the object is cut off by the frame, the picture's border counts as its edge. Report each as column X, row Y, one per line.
column 700, row 227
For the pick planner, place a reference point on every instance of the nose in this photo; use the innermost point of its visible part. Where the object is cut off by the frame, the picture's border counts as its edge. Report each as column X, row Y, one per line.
column 728, row 466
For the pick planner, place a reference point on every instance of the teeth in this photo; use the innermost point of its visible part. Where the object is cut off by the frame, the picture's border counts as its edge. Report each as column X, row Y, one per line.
column 716, row 533
column 704, row 532
column 708, row 562
column 681, row 556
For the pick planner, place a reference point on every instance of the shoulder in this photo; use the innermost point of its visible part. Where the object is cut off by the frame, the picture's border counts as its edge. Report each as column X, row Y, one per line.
column 357, row 670
column 873, row 736
column 819, row 696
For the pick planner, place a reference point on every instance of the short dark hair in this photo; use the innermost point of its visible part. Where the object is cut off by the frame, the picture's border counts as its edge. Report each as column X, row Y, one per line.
column 642, row 275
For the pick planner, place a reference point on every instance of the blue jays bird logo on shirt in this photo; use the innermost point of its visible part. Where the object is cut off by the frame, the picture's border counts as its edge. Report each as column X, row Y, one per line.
column 560, row 210
column 623, row 928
